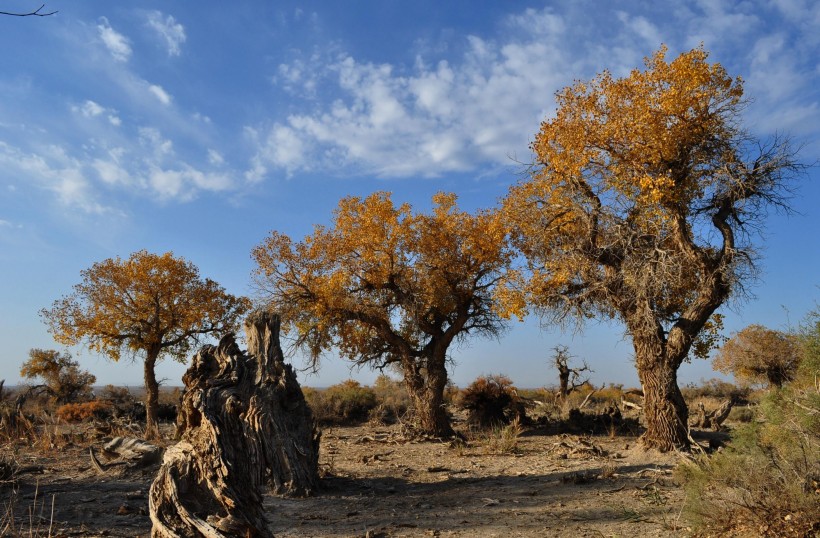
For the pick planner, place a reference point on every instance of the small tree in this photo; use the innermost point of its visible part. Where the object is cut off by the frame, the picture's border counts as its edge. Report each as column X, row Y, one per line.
column 758, row 354
column 61, row 375
column 641, row 207
column 147, row 306
column 386, row 286
column 569, row 379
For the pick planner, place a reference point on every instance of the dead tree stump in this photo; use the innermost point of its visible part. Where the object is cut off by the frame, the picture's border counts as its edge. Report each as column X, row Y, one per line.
column 243, row 423
column 711, row 419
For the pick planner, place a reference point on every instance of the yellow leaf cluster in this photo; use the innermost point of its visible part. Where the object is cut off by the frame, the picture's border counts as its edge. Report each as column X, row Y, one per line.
column 382, row 278
column 623, row 167
column 147, row 303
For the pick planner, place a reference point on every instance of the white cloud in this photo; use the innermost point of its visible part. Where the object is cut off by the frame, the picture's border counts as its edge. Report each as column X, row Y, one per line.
column 53, row 169
column 215, row 158
column 91, row 109
column 171, row 32
column 117, row 44
column 160, row 94
column 482, row 107
column 183, row 183
column 452, row 116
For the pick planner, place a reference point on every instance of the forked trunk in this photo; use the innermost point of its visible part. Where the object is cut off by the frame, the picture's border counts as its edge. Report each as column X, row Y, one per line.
column 665, row 411
column 426, row 387
column 151, row 397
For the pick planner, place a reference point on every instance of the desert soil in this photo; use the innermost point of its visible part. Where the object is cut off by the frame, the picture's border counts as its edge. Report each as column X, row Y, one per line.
column 379, row 483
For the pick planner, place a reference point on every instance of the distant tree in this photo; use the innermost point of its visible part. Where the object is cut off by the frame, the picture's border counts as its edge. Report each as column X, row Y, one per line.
column 569, row 378
column 758, row 354
column 147, row 306
column 386, row 286
column 641, row 207
column 61, row 375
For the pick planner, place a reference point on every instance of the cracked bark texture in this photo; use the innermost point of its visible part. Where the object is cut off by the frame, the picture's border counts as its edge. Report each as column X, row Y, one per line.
column 244, row 425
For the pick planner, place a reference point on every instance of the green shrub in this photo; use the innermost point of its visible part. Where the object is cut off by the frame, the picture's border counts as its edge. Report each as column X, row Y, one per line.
column 767, row 481
column 741, row 414
column 345, row 403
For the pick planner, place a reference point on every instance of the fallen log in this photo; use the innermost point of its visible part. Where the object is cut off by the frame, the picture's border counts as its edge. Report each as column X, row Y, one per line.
column 244, row 424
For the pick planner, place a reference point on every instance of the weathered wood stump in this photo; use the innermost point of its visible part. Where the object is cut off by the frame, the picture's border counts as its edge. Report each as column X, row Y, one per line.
column 243, row 423
column 711, row 419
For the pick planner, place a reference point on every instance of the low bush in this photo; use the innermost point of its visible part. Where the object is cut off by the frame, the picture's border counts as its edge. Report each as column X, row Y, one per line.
column 741, row 414
column 346, row 403
column 80, row 412
column 393, row 401
column 491, row 401
column 716, row 389
column 767, row 480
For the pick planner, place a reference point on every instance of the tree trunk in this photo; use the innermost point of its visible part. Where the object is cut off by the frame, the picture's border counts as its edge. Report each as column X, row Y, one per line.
column 665, row 411
column 426, row 388
column 243, row 423
column 151, row 397
column 563, row 380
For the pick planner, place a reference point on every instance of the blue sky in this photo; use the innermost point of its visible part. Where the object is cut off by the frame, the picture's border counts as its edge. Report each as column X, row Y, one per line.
column 199, row 127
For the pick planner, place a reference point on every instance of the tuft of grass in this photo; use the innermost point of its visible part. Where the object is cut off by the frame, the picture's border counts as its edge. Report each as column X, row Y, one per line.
column 504, row 440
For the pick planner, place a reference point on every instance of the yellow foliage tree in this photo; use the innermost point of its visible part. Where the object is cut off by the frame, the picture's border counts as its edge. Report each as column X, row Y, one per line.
column 639, row 208
column 147, row 306
column 760, row 355
column 386, row 286
column 62, row 376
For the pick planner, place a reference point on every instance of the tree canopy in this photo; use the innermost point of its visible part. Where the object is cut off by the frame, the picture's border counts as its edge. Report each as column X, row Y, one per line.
column 149, row 306
column 760, row 355
column 385, row 285
column 642, row 206
column 62, row 376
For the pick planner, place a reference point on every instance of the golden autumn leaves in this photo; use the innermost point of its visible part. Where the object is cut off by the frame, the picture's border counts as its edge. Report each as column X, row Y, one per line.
column 632, row 210
column 383, row 273
column 148, row 306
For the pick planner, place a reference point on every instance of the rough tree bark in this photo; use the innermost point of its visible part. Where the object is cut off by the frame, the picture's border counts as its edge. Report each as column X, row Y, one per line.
column 665, row 410
column 243, row 423
column 151, row 396
column 426, row 388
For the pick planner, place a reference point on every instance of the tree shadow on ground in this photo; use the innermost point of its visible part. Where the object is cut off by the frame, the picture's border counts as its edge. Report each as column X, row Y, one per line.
column 536, row 504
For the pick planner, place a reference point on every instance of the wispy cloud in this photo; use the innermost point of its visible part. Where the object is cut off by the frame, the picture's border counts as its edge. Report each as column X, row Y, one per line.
column 169, row 30
column 118, row 45
column 481, row 109
column 53, row 169
column 158, row 92
column 91, row 109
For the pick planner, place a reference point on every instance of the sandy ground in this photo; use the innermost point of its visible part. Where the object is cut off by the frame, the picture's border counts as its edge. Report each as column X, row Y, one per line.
column 377, row 483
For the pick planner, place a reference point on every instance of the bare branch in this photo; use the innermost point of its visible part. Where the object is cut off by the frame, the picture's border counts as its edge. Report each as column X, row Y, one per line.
column 35, row 13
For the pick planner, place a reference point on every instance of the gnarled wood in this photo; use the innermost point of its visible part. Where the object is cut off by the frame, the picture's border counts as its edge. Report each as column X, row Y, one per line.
column 243, row 424
column 712, row 419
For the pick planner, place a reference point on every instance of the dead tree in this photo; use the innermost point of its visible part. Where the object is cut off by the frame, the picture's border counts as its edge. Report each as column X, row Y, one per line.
column 244, row 423
column 712, row 419
column 569, row 379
